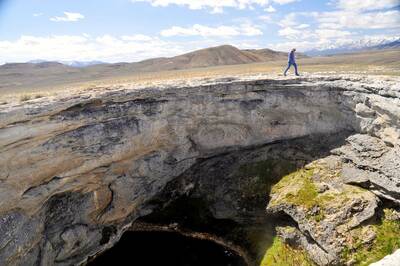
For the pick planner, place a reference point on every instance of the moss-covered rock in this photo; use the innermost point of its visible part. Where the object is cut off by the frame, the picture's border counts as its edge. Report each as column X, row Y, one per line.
column 370, row 243
column 296, row 188
column 324, row 208
column 281, row 254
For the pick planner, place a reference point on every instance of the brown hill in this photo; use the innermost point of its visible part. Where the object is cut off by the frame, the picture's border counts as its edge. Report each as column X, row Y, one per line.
column 12, row 67
column 214, row 56
column 53, row 73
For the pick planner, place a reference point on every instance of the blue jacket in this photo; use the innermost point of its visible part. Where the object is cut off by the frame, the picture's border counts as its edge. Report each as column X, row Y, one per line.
column 291, row 57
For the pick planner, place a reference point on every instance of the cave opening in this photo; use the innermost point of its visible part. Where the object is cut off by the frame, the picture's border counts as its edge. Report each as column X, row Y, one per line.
column 148, row 248
column 223, row 200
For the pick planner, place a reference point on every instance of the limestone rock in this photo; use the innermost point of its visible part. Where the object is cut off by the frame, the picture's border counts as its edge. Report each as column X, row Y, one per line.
column 78, row 169
column 294, row 237
column 323, row 217
column 371, row 163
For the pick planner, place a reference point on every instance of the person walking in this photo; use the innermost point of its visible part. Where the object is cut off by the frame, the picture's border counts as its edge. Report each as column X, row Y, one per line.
column 292, row 62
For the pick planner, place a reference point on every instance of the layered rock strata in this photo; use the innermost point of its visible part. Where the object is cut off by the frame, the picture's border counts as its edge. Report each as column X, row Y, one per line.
column 78, row 170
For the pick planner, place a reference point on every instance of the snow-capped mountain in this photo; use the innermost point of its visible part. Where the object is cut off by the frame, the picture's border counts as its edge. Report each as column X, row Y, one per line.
column 358, row 45
column 70, row 63
column 81, row 63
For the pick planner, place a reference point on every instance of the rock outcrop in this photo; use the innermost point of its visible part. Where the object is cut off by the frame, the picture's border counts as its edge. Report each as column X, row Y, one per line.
column 370, row 163
column 78, row 170
column 324, row 208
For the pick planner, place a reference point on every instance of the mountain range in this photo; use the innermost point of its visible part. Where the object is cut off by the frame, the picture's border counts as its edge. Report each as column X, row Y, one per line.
column 39, row 73
column 229, row 55
column 214, row 56
column 70, row 63
column 357, row 46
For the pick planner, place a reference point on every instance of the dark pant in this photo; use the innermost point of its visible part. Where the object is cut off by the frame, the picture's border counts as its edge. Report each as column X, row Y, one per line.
column 289, row 65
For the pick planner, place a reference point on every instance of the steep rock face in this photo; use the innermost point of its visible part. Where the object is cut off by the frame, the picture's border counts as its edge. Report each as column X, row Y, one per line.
column 78, row 170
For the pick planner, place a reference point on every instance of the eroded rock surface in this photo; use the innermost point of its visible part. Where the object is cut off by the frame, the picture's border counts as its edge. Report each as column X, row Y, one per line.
column 324, row 208
column 372, row 164
column 78, row 170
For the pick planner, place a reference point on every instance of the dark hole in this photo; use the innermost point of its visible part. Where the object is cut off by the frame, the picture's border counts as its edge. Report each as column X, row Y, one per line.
column 166, row 248
column 107, row 232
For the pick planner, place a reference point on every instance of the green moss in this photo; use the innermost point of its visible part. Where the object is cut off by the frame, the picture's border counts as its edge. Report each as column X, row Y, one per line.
column 386, row 242
column 280, row 254
column 327, row 197
column 292, row 179
column 319, row 216
column 298, row 188
column 307, row 194
column 257, row 239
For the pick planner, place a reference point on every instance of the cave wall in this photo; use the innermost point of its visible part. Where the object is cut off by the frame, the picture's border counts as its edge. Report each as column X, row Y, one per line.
column 78, row 170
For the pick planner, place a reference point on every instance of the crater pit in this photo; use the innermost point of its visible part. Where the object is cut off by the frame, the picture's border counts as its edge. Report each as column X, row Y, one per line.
column 252, row 169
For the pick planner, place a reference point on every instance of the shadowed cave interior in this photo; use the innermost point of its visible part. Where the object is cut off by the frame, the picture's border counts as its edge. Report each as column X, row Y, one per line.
column 226, row 203
column 166, row 248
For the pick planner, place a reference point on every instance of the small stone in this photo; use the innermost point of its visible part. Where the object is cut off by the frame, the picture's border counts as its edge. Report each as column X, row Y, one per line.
column 173, row 226
column 321, row 188
column 392, row 215
column 369, row 237
column 351, row 262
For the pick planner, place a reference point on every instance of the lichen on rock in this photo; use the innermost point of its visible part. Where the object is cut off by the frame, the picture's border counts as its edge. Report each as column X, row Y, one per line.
column 281, row 254
column 370, row 243
column 323, row 216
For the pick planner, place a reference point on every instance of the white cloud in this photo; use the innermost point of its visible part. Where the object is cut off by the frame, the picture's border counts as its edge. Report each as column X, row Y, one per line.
column 212, row 4
column 331, row 34
column 297, row 33
column 110, row 48
column 321, row 44
column 289, row 20
column 290, row 33
column 350, row 21
column 284, row 2
column 68, row 17
column 38, row 14
column 270, row 9
column 299, row 45
column 302, row 26
column 250, row 30
column 85, row 48
column 330, row 26
column 362, row 5
column 107, row 48
column 205, row 31
column 217, row 10
column 216, row 6
column 355, row 20
column 137, row 37
column 265, row 18
column 361, row 14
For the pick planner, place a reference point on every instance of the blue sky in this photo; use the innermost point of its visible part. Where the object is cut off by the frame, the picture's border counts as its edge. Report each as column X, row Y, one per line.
column 132, row 30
